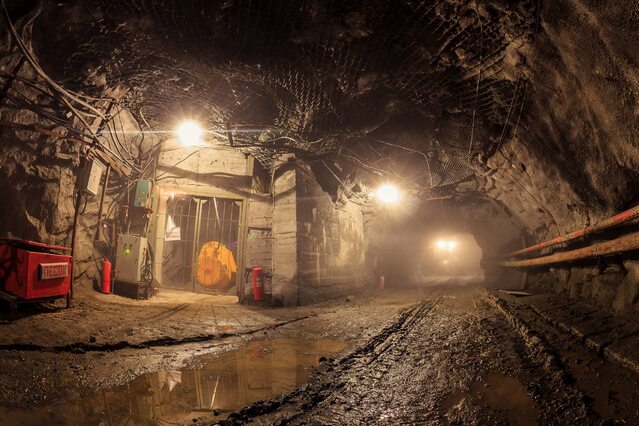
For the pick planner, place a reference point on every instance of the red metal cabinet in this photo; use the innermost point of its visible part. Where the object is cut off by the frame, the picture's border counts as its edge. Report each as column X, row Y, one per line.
column 34, row 274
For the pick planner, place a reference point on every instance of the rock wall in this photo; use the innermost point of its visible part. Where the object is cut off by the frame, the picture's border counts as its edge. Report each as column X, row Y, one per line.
column 575, row 155
column 570, row 156
column 38, row 173
column 616, row 288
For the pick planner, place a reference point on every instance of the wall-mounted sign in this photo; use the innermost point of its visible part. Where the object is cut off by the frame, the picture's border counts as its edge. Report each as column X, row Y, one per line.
column 172, row 232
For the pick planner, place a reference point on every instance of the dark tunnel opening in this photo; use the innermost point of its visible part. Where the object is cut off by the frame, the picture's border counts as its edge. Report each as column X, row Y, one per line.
column 452, row 255
column 437, row 242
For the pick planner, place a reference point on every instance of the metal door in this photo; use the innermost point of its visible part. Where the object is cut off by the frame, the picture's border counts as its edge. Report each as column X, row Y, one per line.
column 191, row 223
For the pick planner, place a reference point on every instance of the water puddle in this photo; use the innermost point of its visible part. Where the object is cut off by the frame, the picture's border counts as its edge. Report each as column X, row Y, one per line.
column 508, row 396
column 504, row 395
column 258, row 370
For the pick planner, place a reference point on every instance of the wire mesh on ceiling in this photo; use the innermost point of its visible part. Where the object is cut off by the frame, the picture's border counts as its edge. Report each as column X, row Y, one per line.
column 322, row 72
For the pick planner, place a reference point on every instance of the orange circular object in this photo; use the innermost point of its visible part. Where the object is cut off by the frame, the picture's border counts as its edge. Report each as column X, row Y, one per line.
column 216, row 266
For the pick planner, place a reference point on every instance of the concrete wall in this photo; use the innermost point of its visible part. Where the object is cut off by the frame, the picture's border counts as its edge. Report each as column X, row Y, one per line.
column 330, row 242
column 285, row 236
column 317, row 246
column 211, row 167
column 259, row 242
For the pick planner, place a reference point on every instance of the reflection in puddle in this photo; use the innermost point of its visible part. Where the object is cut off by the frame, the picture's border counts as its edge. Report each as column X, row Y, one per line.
column 259, row 370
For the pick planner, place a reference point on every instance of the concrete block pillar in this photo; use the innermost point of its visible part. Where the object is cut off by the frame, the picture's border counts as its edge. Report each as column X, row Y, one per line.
column 285, row 289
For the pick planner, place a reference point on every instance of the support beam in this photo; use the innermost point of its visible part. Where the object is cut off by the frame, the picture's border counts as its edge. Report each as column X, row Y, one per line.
column 76, row 218
column 98, row 233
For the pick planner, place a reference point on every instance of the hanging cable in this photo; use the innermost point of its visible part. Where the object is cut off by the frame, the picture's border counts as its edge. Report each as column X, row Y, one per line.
column 481, row 40
column 27, row 54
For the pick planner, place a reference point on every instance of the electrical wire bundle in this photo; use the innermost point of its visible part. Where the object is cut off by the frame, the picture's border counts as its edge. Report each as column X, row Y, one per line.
column 77, row 104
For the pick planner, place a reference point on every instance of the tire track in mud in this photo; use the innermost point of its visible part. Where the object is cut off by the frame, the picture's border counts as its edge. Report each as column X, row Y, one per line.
column 380, row 345
column 214, row 316
column 573, row 364
column 197, row 316
column 256, row 317
column 431, row 365
column 232, row 316
column 167, row 313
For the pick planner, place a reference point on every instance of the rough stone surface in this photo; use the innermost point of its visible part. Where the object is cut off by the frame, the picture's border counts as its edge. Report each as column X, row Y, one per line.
column 628, row 292
column 37, row 178
column 615, row 290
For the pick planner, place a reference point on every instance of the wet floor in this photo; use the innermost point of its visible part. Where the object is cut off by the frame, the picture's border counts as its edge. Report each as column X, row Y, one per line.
column 504, row 394
column 451, row 359
column 508, row 396
column 258, row 370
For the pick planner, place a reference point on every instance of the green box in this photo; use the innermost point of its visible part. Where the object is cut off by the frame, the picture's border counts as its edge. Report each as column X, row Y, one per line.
column 142, row 193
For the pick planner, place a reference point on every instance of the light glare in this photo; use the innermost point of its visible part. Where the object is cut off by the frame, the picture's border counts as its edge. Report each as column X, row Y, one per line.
column 189, row 134
column 387, row 193
column 449, row 245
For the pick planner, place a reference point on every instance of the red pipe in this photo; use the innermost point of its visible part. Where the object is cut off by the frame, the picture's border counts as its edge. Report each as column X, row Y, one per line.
column 629, row 242
column 605, row 224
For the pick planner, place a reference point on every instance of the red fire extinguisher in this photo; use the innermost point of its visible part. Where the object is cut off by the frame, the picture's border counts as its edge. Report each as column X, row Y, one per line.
column 106, row 276
column 258, row 284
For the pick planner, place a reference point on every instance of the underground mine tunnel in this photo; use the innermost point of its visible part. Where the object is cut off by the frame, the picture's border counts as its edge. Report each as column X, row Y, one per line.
column 319, row 212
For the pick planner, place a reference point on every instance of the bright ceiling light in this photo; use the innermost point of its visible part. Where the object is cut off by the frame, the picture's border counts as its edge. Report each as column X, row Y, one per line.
column 387, row 193
column 441, row 244
column 452, row 245
column 189, row 134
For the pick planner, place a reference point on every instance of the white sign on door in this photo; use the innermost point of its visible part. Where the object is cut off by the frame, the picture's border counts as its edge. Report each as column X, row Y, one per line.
column 172, row 231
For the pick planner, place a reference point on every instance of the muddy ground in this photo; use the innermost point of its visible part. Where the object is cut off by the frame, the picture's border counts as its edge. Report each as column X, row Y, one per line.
column 438, row 355
column 104, row 342
column 460, row 356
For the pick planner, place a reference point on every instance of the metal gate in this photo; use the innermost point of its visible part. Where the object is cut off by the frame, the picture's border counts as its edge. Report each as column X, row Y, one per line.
column 193, row 225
